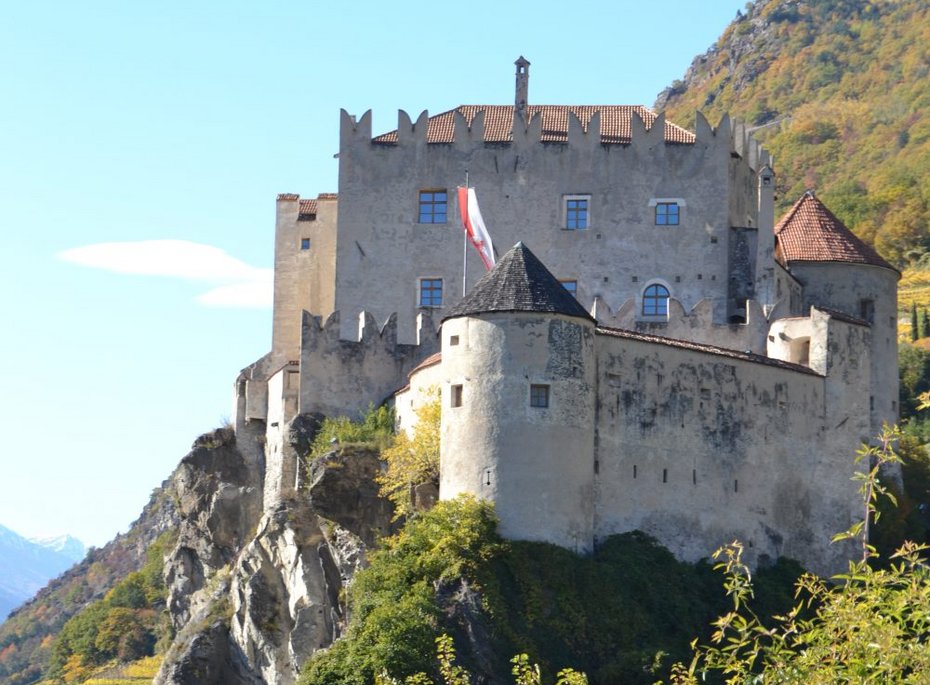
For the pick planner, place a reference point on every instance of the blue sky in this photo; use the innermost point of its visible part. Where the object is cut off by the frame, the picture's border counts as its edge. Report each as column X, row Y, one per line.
column 127, row 124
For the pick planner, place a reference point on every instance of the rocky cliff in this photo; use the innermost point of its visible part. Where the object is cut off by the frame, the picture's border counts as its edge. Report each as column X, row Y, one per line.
column 253, row 592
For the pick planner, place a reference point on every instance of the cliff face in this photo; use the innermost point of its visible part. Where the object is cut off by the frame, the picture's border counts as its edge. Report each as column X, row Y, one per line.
column 254, row 592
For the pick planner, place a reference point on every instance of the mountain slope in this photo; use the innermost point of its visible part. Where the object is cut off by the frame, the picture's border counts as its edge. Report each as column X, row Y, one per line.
column 26, row 638
column 839, row 92
column 25, row 567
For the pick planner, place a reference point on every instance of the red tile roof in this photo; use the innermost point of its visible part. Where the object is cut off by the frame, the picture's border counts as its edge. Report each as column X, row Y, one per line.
column 809, row 232
column 615, row 123
column 307, row 211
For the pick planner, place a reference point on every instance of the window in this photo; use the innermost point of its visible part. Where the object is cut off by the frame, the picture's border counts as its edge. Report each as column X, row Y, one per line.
column 430, row 292
column 305, row 243
column 456, row 396
column 453, row 340
column 655, row 300
column 667, row 214
column 576, row 211
column 570, row 286
column 539, row 395
column 867, row 310
column 433, row 206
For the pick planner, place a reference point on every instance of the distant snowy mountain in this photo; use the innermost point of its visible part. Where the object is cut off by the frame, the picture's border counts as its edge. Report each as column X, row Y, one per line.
column 26, row 566
column 66, row 545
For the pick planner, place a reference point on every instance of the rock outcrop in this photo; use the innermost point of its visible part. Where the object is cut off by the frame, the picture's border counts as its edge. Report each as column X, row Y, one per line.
column 253, row 593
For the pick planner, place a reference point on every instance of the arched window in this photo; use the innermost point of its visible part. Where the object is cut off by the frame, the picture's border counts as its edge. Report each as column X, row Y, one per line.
column 655, row 300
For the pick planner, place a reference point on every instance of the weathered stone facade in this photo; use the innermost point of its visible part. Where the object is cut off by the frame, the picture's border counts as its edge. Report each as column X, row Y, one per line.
column 717, row 382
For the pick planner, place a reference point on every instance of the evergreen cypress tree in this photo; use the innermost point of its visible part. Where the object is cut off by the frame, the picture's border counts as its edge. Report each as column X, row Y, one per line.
column 913, row 320
column 924, row 324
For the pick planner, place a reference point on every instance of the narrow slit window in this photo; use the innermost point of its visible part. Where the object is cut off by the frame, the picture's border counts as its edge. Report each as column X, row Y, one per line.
column 456, row 396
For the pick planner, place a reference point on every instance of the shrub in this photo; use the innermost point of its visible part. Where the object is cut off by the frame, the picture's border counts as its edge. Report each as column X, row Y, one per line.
column 376, row 428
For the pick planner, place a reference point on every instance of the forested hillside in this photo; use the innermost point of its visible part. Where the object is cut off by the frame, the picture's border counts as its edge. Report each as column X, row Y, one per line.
column 839, row 92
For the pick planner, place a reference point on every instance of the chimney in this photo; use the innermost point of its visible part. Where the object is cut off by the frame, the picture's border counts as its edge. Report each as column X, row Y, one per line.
column 523, row 81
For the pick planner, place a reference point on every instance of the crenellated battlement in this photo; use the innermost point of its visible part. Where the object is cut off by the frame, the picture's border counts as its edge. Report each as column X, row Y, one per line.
column 341, row 376
column 589, row 127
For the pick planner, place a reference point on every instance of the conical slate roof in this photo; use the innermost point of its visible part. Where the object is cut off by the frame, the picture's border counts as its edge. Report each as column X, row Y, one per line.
column 518, row 283
column 809, row 232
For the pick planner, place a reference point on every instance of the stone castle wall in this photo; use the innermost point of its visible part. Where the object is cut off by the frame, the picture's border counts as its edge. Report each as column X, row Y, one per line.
column 521, row 187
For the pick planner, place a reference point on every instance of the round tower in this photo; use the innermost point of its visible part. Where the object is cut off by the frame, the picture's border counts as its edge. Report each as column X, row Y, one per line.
column 839, row 271
column 518, row 403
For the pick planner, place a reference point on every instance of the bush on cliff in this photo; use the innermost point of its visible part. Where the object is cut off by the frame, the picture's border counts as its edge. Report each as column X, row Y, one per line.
column 621, row 614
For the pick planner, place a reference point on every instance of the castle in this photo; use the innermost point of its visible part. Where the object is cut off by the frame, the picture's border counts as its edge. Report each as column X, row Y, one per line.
column 655, row 353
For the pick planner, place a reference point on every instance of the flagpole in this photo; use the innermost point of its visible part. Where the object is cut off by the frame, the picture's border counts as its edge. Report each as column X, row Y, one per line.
column 465, row 243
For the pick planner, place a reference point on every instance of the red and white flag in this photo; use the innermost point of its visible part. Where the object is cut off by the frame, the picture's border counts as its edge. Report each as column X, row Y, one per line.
column 474, row 226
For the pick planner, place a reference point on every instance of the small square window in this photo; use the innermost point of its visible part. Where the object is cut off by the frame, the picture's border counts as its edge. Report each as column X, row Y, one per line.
column 539, row 395
column 434, row 205
column 456, row 396
column 570, row 286
column 430, row 292
column 453, row 340
column 667, row 214
column 305, row 243
column 576, row 210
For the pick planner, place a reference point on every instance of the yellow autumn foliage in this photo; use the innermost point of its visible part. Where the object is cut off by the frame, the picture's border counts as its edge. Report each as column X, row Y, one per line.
column 412, row 459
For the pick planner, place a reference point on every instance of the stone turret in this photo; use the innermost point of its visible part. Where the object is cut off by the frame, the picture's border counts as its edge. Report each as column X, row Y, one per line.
column 841, row 272
column 518, row 403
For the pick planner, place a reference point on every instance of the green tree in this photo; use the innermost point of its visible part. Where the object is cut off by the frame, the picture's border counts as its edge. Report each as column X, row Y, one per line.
column 913, row 321
column 924, row 324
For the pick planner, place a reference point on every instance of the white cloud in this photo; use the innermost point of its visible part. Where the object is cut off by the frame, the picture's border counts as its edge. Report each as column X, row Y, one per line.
column 236, row 284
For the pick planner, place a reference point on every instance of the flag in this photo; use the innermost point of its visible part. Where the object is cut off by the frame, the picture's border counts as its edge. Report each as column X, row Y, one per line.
column 474, row 226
